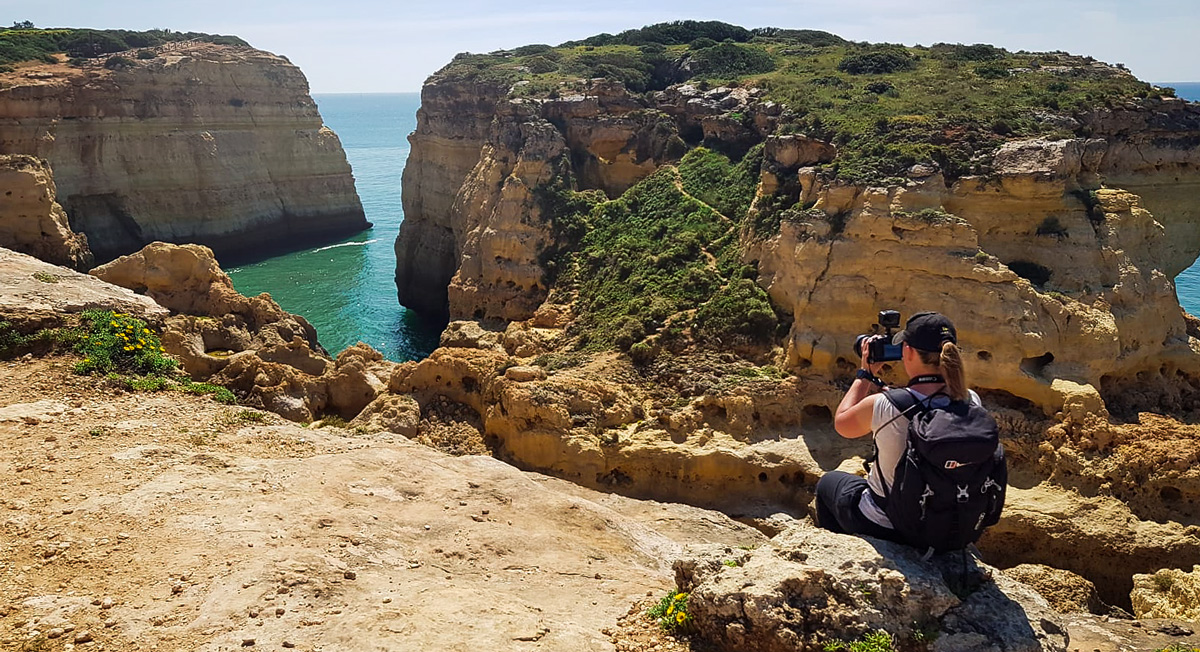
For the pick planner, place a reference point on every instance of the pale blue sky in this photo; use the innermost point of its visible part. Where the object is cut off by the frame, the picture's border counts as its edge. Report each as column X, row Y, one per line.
column 375, row 46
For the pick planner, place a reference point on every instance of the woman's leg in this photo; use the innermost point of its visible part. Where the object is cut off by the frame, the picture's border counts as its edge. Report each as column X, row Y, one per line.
column 837, row 501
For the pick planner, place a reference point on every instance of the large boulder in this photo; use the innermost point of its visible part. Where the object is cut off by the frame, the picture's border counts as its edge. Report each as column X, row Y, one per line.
column 811, row 587
column 1066, row 592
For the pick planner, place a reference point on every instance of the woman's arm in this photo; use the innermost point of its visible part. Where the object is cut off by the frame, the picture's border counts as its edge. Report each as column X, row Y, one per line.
column 853, row 418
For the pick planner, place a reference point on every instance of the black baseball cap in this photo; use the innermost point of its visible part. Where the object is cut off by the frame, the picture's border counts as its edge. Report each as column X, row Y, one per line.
column 927, row 331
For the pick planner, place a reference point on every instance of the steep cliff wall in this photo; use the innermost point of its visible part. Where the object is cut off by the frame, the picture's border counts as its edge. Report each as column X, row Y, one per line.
column 216, row 145
column 452, row 127
column 31, row 220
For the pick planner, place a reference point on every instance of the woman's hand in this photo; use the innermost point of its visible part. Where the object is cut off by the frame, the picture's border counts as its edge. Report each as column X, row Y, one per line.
column 875, row 367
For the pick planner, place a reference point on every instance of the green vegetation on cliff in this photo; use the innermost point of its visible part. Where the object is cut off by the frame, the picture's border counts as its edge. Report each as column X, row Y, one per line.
column 29, row 44
column 663, row 257
column 886, row 106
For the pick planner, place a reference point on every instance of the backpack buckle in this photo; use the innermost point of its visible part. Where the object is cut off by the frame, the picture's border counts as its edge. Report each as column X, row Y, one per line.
column 964, row 493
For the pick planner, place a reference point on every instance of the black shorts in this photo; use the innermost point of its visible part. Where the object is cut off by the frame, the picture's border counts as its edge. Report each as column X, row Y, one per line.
column 838, row 494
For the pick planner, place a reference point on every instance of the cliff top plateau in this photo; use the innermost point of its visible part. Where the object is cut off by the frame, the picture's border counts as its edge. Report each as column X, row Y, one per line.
column 140, row 517
column 885, row 106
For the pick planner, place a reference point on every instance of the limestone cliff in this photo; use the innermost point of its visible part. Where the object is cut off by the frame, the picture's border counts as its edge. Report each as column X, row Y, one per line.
column 1071, row 275
column 217, row 145
column 31, row 220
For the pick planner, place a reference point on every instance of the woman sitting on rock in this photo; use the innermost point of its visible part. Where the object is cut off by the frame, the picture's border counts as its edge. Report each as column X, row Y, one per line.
column 849, row 504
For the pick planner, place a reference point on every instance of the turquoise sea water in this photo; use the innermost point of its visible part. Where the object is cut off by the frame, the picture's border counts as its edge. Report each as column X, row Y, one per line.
column 1187, row 284
column 347, row 289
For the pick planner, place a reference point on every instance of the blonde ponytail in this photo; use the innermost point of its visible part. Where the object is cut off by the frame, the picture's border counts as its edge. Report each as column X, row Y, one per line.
column 951, row 366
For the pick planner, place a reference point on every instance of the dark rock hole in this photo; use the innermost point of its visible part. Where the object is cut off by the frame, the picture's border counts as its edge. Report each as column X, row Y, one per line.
column 1037, row 366
column 816, row 415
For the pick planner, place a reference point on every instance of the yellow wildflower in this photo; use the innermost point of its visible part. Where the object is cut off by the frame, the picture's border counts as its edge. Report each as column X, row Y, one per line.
column 138, row 346
column 680, row 617
column 113, row 323
column 146, row 331
column 681, row 595
column 670, row 610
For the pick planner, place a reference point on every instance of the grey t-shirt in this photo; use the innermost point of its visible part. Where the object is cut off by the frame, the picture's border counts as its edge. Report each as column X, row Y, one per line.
column 890, row 439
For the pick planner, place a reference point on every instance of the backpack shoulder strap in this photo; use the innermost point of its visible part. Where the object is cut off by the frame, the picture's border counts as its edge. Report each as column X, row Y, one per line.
column 904, row 400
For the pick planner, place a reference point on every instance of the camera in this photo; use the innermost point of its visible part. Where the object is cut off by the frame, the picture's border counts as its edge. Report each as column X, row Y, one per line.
column 882, row 349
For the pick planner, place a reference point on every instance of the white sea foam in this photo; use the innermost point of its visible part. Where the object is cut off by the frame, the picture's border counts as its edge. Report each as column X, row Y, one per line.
column 348, row 244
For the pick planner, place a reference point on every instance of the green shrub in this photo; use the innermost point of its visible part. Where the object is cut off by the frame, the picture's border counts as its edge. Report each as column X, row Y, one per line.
column 118, row 63
column 218, row 393
column 631, row 331
column 701, row 43
column 540, row 65
column 679, row 32
column 879, row 87
column 10, row 338
column 642, row 353
column 88, row 43
column 146, row 54
column 813, row 37
column 976, row 52
column 740, row 311
column 732, row 60
column 877, row 641
column 115, row 342
column 991, row 71
column 877, row 61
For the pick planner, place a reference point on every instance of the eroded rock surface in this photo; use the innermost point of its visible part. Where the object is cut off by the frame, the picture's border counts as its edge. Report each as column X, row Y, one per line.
column 810, row 587
column 225, row 528
column 1168, row 593
column 1065, row 591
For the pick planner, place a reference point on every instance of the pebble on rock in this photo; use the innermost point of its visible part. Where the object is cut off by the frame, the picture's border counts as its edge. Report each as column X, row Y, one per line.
column 350, row 575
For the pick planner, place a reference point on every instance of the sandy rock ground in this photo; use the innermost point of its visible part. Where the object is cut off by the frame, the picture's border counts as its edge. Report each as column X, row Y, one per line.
column 170, row 522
